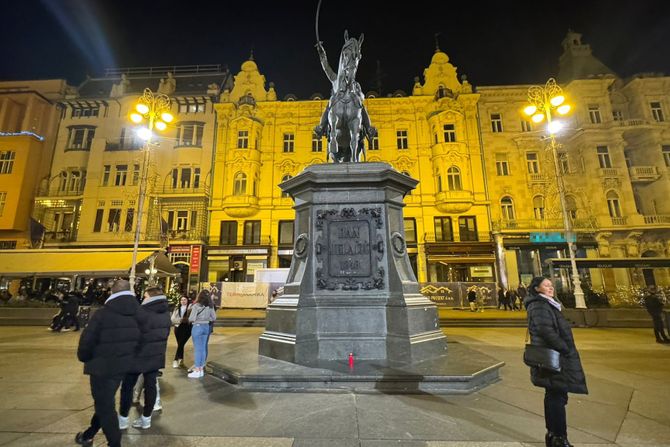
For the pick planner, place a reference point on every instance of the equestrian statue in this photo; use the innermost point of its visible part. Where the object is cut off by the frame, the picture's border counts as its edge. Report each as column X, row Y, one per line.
column 345, row 122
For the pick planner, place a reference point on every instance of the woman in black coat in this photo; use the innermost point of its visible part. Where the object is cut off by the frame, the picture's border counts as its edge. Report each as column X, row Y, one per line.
column 548, row 327
column 182, row 329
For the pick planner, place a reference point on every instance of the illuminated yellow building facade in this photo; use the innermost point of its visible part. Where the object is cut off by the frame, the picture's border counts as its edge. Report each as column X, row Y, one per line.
column 29, row 118
column 487, row 183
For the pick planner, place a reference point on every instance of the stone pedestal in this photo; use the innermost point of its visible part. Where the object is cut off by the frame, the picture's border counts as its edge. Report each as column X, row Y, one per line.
column 351, row 288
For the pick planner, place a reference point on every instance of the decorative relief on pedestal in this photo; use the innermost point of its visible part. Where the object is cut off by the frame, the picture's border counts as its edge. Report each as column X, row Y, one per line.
column 301, row 244
column 349, row 249
column 398, row 244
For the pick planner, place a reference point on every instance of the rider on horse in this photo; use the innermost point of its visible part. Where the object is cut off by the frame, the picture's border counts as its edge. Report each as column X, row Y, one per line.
column 345, row 122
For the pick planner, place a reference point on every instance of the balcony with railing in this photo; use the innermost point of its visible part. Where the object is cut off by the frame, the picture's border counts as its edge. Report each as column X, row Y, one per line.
column 608, row 172
column 186, row 235
column 524, row 225
column 123, row 145
column 537, row 178
column 240, row 205
column 632, row 123
column 619, row 220
column 454, row 201
column 469, row 236
column 59, row 236
column 657, row 219
column 644, row 173
column 169, row 191
column 50, row 192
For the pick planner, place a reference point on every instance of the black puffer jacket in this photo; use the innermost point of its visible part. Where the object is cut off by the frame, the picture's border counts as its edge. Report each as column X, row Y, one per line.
column 548, row 327
column 155, row 318
column 109, row 343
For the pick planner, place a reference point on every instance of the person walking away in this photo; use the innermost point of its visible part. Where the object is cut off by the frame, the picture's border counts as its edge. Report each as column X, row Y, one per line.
column 511, row 299
column 182, row 329
column 501, row 296
column 655, row 308
column 71, row 310
column 202, row 313
column 107, row 348
column 548, row 327
column 155, row 326
column 472, row 299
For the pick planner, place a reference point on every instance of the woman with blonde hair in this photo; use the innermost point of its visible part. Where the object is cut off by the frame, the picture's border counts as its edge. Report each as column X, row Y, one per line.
column 202, row 318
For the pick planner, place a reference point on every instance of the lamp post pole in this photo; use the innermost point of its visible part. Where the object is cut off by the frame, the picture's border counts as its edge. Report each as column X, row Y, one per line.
column 155, row 109
column 543, row 100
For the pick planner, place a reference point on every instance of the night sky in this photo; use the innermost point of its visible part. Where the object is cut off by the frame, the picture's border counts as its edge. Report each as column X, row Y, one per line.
column 504, row 43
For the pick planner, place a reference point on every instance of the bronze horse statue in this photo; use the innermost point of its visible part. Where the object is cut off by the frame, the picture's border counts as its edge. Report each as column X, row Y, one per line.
column 345, row 122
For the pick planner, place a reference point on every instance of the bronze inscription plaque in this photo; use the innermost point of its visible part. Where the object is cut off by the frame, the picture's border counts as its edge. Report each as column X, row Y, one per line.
column 349, row 253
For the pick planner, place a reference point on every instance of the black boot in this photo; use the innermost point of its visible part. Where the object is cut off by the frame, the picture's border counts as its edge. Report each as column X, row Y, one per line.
column 560, row 441
column 547, row 439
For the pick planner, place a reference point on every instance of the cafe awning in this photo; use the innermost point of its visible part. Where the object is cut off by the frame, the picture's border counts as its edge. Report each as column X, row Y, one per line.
column 82, row 262
column 614, row 263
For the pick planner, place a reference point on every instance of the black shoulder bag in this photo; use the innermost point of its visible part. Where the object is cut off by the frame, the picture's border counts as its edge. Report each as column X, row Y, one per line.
column 541, row 356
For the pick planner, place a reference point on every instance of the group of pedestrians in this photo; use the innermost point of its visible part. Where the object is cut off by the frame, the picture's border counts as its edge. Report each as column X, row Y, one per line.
column 511, row 299
column 126, row 340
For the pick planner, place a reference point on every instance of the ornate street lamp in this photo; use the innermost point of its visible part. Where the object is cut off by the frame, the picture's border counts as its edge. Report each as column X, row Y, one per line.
column 154, row 110
column 543, row 102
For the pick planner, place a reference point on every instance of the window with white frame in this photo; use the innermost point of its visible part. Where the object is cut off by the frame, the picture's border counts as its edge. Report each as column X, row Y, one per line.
column 243, row 139
column 374, row 144
column 496, row 122
column 74, row 181
column 449, row 133
column 571, row 207
column 454, row 179
column 192, row 107
column 79, row 112
column 594, row 114
column 283, row 179
column 106, row 172
column 502, row 165
column 657, row 111
column 507, row 208
column 604, row 159
column 617, row 115
column 317, row 143
column 189, row 133
column 532, row 162
column 538, row 207
column 80, row 137
column 121, row 175
column 564, row 162
column 289, row 142
column 114, row 220
column 526, row 126
column 7, row 161
column 613, row 204
column 402, row 141
column 240, row 184
column 136, row 174
column 666, row 155
column 3, row 200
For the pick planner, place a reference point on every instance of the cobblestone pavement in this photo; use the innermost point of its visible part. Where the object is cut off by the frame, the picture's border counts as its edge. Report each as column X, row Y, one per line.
column 45, row 400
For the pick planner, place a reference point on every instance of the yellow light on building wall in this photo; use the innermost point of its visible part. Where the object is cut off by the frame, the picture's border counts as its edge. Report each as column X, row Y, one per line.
column 142, row 108
column 538, row 118
column 135, row 117
column 562, row 110
column 557, row 100
column 530, row 110
column 167, row 117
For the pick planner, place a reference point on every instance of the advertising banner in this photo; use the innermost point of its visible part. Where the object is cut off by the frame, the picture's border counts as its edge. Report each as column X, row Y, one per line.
column 455, row 294
column 245, row 295
column 196, row 251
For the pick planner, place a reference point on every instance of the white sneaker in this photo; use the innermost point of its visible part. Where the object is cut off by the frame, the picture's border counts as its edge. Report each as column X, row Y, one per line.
column 142, row 422
column 175, row 364
column 158, row 406
column 123, row 422
column 196, row 374
column 191, row 369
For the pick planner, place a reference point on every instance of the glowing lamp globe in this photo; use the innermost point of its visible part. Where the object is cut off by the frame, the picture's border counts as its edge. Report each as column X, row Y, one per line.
column 142, row 108
column 167, row 117
column 557, row 100
column 555, row 126
column 136, row 118
column 562, row 110
column 160, row 125
column 530, row 110
column 538, row 118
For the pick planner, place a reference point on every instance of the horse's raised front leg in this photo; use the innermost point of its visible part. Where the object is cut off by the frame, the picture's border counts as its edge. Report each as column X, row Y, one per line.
column 334, row 133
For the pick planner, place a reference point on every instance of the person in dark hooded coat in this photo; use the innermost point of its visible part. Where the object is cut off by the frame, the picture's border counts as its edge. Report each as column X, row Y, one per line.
column 549, row 328
column 107, row 347
column 155, row 325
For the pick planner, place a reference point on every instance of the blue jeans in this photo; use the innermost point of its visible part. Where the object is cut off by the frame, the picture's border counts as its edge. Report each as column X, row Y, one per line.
column 200, row 335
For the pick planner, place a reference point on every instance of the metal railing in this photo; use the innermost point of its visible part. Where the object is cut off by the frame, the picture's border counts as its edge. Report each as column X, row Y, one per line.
column 458, row 237
column 656, row 219
column 585, row 223
column 161, row 70
column 609, row 172
column 56, row 192
column 643, row 173
column 203, row 190
column 619, row 220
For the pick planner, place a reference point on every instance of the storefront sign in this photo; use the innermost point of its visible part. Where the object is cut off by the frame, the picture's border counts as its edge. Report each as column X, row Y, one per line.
column 247, row 295
column 455, row 294
column 481, row 271
column 196, row 251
